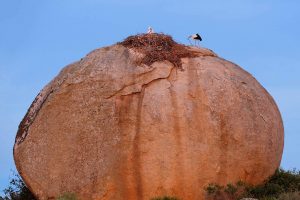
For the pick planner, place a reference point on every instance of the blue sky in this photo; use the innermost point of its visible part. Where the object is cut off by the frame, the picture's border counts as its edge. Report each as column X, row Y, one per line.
column 38, row 38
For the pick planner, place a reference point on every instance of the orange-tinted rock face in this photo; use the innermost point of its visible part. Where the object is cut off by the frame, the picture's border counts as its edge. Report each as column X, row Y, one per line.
column 108, row 129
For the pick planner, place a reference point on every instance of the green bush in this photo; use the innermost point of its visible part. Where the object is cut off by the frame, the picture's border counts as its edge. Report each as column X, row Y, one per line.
column 281, row 182
column 17, row 190
column 283, row 185
column 67, row 196
column 267, row 190
column 229, row 192
column 231, row 189
column 213, row 189
column 290, row 196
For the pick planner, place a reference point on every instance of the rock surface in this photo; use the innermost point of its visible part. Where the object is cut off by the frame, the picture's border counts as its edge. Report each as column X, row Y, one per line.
column 106, row 128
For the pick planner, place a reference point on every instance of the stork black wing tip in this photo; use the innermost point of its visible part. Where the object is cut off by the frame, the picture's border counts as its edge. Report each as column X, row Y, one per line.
column 198, row 37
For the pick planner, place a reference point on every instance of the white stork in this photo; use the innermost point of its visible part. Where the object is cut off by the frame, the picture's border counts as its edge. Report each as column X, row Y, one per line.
column 196, row 37
column 150, row 30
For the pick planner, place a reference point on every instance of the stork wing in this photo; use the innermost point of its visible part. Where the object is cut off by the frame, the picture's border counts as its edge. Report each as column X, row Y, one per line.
column 199, row 37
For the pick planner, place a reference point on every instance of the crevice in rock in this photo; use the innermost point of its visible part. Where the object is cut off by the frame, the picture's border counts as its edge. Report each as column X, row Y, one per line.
column 136, row 147
column 134, row 88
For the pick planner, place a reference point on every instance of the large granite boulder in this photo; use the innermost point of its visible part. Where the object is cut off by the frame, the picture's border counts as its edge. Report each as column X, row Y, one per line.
column 110, row 128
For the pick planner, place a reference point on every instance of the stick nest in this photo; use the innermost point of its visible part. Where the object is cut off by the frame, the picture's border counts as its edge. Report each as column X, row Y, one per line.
column 157, row 47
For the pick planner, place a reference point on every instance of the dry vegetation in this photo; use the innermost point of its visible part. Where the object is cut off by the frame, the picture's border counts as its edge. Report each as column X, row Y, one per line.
column 158, row 47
